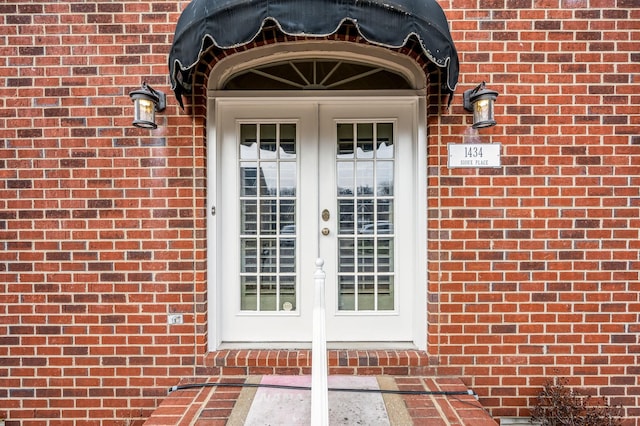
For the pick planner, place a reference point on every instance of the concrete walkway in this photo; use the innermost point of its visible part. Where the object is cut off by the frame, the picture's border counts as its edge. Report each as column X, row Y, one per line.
column 247, row 404
column 293, row 406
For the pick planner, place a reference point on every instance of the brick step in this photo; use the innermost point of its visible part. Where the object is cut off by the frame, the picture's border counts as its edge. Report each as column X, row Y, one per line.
column 341, row 362
column 233, row 402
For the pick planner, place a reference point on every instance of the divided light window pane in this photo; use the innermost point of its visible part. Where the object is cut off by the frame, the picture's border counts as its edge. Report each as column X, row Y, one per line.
column 365, row 190
column 268, row 205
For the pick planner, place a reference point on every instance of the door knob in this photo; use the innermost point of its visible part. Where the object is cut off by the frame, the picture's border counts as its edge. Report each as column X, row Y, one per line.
column 325, row 231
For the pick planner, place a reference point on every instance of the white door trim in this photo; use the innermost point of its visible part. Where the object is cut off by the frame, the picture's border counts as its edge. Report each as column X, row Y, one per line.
column 215, row 226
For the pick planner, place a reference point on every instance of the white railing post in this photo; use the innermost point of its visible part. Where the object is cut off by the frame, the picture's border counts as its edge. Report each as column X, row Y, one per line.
column 319, row 371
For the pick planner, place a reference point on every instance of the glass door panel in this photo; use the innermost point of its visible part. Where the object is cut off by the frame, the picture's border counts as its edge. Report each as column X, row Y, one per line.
column 365, row 188
column 268, row 184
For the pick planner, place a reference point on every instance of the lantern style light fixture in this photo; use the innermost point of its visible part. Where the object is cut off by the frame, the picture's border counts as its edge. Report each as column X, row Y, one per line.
column 146, row 101
column 480, row 101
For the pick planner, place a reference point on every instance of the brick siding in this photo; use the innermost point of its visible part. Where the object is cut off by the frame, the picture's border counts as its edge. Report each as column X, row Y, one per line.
column 533, row 267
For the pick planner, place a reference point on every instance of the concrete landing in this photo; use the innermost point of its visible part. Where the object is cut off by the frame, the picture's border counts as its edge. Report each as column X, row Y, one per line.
column 235, row 401
column 275, row 406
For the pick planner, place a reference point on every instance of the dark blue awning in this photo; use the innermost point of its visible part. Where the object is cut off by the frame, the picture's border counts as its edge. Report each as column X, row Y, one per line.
column 232, row 23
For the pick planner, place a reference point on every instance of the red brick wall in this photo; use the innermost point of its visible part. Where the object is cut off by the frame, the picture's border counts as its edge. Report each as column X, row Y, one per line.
column 534, row 267
column 101, row 228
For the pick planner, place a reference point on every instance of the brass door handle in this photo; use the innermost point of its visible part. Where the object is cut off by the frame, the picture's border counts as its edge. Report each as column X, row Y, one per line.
column 325, row 231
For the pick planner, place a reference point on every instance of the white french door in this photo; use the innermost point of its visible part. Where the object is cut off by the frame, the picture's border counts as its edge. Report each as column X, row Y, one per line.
column 297, row 179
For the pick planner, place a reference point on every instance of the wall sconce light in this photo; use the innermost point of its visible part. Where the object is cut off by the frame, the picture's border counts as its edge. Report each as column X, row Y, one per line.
column 146, row 101
column 480, row 101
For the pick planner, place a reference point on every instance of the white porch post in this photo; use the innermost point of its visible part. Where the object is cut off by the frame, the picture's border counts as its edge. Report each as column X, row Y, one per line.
column 319, row 371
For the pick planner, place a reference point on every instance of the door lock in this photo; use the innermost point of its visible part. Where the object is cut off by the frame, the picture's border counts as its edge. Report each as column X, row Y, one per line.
column 325, row 215
column 325, row 231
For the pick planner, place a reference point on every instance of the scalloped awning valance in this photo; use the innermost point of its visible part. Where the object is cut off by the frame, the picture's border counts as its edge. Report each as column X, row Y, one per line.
column 232, row 23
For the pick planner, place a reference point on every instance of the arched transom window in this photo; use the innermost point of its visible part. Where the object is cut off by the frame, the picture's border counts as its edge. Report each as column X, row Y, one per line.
column 317, row 74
